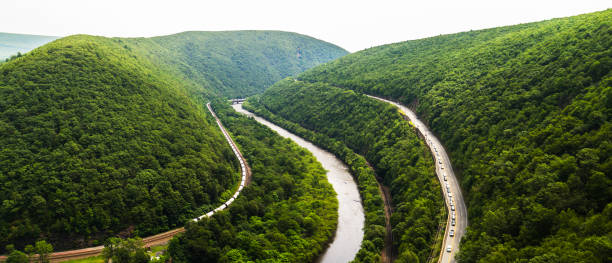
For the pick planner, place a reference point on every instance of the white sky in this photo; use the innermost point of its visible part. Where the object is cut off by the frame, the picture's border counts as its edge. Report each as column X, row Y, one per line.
column 351, row 24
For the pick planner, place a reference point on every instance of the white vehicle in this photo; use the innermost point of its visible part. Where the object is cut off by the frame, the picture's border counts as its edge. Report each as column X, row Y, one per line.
column 452, row 233
column 440, row 161
column 452, row 208
column 448, row 248
column 453, row 222
column 453, row 216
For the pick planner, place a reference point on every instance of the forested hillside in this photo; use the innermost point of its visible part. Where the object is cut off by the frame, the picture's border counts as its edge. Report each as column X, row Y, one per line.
column 11, row 44
column 524, row 112
column 96, row 141
column 106, row 137
column 287, row 214
column 236, row 63
column 378, row 132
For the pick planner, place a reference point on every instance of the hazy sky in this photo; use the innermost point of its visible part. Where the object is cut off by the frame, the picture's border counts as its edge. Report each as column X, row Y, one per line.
column 351, row 24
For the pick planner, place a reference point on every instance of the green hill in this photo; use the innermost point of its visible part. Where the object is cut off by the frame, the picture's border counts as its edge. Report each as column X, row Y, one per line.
column 524, row 112
column 236, row 63
column 96, row 140
column 246, row 62
column 10, row 43
column 287, row 214
column 105, row 136
column 354, row 126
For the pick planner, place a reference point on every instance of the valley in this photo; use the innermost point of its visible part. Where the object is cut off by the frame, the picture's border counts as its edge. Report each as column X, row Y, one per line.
column 349, row 234
column 457, row 221
column 490, row 145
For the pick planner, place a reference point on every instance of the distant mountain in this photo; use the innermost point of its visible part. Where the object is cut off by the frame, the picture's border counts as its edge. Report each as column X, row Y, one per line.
column 524, row 112
column 11, row 43
column 107, row 135
column 237, row 63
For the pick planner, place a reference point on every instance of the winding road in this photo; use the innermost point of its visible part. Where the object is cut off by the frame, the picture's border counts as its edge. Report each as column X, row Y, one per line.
column 457, row 217
column 163, row 238
column 351, row 218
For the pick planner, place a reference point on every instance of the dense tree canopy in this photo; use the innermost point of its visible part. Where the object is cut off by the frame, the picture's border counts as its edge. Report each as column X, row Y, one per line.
column 379, row 133
column 287, row 214
column 96, row 141
column 235, row 63
column 108, row 136
column 524, row 112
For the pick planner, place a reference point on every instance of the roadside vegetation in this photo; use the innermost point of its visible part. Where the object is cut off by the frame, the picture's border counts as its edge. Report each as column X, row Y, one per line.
column 287, row 214
column 39, row 252
column 363, row 132
column 524, row 112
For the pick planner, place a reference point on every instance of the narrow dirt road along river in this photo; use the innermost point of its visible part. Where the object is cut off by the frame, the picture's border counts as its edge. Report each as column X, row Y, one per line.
column 349, row 233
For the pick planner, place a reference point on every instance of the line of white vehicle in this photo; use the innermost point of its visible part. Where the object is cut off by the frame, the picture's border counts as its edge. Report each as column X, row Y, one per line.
column 242, row 168
column 457, row 216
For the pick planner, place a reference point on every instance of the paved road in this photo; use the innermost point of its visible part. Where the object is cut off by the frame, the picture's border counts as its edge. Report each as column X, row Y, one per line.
column 351, row 217
column 443, row 169
column 163, row 238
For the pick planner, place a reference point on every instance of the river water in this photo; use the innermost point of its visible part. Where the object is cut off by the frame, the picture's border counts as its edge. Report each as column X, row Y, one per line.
column 351, row 218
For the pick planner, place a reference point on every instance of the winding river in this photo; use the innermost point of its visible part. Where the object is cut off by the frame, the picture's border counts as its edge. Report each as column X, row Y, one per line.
column 351, row 218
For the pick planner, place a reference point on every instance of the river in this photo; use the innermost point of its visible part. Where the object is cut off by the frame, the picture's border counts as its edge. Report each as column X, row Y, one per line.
column 351, row 218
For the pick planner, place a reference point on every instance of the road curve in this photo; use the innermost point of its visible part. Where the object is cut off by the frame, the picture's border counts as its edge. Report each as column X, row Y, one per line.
column 351, row 218
column 452, row 193
column 163, row 238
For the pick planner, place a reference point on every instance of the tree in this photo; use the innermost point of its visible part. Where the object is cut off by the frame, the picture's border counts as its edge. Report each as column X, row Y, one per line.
column 124, row 251
column 43, row 249
column 17, row 256
column 110, row 248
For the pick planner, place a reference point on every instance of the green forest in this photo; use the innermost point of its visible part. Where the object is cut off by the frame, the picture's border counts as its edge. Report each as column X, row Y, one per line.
column 390, row 146
column 104, row 139
column 234, row 63
column 287, row 214
column 109, row 136
column 95, row 142
column 524, row 113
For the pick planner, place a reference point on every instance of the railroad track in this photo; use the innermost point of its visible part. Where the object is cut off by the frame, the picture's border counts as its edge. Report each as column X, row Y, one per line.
column 163, row 238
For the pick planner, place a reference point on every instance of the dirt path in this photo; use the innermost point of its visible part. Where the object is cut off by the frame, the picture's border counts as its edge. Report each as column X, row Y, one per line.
column 387, row 255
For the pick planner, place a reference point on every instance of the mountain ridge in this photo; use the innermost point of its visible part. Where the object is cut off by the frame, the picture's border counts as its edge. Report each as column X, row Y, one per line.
column 524, row 113
column 107, row 127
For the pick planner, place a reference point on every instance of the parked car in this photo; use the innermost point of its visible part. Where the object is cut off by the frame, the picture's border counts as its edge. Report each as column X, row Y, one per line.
column 452, row 232
column 448, row 248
